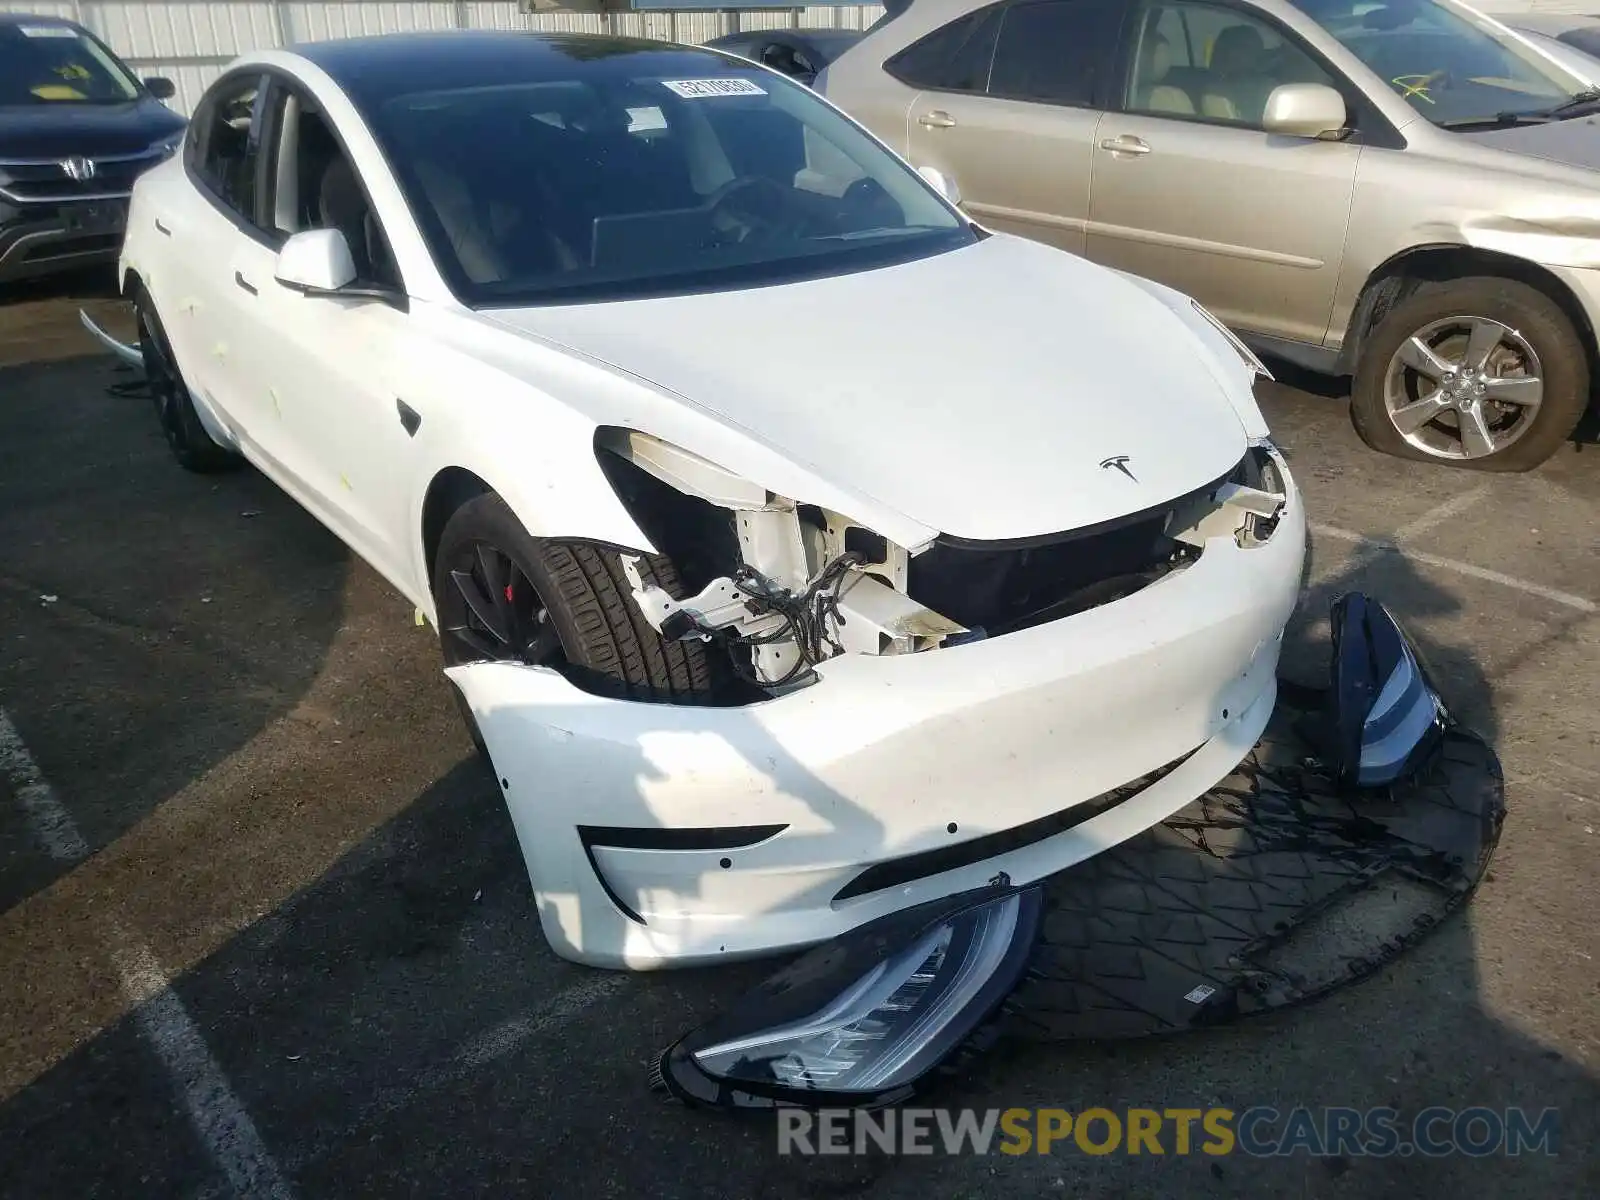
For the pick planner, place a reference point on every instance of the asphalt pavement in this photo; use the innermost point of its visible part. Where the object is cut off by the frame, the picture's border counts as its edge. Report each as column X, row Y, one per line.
column 264, row 929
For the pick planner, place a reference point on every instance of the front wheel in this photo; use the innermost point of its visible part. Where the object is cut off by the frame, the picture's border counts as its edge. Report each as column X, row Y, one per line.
column 1483, row 373
column 503, row 595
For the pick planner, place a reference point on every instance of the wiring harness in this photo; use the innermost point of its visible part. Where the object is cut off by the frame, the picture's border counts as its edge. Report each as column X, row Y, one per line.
column 806, row 616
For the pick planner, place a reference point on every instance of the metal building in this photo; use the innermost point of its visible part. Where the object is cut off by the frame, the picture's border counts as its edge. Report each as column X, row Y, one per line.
column 190, row 41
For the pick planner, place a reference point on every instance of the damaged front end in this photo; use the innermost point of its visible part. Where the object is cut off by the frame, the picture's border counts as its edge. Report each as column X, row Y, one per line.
column 908, row 716
column 785, row 585
column 1362, row 818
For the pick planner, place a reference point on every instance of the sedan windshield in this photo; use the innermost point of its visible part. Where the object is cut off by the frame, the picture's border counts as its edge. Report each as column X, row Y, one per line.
column 56, row 64
column 1454, row 67
column 614, row 170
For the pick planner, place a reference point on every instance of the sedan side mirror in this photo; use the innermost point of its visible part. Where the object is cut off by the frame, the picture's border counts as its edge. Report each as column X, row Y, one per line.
column 316, row 260
column 1306, row 110
column 942, row 183
column 161, row 87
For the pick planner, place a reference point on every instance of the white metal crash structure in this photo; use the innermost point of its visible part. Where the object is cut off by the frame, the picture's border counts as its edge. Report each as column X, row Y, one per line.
column 992, row 412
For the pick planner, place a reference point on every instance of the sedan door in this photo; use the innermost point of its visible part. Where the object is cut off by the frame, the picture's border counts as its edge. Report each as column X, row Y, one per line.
column 1191, row 192
column 1009, row 111
column 324, row 373
column 194, row 292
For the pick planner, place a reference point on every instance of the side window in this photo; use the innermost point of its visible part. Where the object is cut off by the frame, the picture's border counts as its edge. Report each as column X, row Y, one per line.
column 227, row 147
column 1218, row 64
column 954, row 57
column 315, row 187
column 1057, row 51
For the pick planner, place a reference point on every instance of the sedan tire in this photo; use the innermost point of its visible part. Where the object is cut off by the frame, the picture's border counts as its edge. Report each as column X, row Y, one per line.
column 503, row 595
column 1483, row 373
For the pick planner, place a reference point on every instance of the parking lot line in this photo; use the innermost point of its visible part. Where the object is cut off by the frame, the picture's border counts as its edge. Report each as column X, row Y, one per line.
column 1440, row 513
column 1372, row 548
column 480, row 1052
column 219, row 1119
column 47, row 819
column 508, row 1035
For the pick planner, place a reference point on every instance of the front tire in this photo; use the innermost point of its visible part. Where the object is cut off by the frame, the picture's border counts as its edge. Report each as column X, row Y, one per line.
column 503, row 595
column 186, row 437
column 1483, row 373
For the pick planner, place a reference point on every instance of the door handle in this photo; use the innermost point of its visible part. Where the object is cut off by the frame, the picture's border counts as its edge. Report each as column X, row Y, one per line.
column 245, row 283
column 937, row 119
column 160, row 228
column 1126, row 144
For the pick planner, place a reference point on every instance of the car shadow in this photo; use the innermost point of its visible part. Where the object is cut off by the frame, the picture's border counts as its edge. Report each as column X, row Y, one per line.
column 153, row 621
column 392, row 1019
column 400, row 1025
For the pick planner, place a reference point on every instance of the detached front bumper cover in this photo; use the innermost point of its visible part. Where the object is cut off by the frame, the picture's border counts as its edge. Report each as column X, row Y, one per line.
column 869, row 1018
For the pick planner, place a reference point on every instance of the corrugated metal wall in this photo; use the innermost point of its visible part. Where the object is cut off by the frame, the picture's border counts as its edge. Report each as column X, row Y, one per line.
column 190, row 40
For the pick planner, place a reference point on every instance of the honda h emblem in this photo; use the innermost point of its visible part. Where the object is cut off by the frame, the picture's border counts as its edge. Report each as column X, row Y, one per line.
column 1120, row 462
column 78, row 168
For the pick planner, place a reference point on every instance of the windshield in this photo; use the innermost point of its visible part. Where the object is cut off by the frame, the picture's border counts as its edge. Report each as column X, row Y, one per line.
column 1453, row 66
column 56, row 64
column 636, row 172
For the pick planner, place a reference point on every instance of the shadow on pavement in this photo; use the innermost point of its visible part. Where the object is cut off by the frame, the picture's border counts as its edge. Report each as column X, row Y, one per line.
column 397, row 1025
column 152, row 621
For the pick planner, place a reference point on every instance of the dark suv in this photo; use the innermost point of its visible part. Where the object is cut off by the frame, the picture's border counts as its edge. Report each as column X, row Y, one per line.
column 76, row 128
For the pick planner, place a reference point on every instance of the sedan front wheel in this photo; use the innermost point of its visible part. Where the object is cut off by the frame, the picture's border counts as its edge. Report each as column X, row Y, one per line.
column 504, row 596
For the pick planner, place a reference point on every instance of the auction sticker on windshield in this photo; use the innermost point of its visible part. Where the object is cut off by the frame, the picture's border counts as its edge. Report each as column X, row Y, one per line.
column 47, row 31
column 700, row 89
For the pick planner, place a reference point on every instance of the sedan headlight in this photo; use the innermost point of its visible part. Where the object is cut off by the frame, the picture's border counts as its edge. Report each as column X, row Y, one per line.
column 866, row 1019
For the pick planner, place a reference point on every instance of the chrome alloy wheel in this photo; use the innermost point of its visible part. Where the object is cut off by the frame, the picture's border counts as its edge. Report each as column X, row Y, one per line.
column 1463, row 387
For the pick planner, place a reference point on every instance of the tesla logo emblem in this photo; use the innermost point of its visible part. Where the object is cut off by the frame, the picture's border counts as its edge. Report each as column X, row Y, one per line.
column 78, row 168
column 1120, row 462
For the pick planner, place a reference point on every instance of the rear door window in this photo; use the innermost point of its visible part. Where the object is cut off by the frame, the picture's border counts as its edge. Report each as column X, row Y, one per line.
column 953, row 58
column 1056, row 51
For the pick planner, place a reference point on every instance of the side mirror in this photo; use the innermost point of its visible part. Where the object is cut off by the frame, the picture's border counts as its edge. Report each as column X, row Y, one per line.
column 1307, row 110
column 942, row 183
column 317, row 260
column 161, row 87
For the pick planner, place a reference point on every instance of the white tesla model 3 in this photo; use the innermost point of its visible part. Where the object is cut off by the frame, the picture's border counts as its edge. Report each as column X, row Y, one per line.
column 800, row 550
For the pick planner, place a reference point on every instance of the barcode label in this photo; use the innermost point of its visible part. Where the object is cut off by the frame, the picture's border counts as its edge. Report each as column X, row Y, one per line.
column 701, row 89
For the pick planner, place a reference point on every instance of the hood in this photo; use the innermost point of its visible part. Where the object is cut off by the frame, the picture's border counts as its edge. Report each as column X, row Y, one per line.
column 61, row 130
column 975, row 392
column 1573, row 143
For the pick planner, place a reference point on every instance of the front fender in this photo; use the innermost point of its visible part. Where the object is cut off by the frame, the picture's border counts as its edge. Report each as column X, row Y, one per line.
column 535, row 453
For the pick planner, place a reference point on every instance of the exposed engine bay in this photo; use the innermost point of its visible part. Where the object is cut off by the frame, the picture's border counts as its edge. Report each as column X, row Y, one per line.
column 786, row 585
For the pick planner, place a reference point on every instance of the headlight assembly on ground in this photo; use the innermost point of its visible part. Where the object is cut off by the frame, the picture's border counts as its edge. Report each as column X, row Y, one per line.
column 864, row 1020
